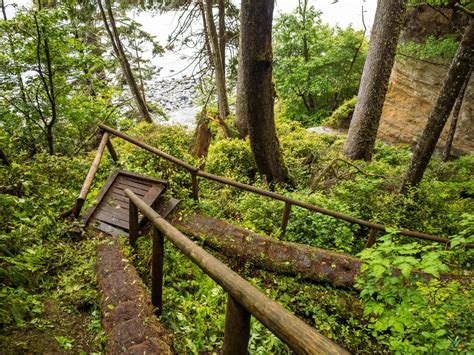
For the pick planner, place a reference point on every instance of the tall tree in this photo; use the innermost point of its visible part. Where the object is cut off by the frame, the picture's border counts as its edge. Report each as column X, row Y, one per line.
column 255, row 97
column 454, row 121
column 375, row 77
column 452, row 84
column 315, row 64
column 112, row 31
column 217, row 50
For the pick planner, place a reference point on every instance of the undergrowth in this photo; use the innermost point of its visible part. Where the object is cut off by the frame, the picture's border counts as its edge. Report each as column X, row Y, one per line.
column 40, row 258
column 48, row 299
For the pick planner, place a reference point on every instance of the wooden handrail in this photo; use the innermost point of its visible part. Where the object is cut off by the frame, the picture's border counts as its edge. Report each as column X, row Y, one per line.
column 197, row 172
column 299, row 336
column 90, row 176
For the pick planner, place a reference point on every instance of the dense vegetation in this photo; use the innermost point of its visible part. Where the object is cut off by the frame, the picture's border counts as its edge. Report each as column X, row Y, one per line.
column 58, row 79
column 40, row 264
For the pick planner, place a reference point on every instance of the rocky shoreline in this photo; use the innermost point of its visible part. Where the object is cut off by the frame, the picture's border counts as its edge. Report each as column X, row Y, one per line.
column 177, row 97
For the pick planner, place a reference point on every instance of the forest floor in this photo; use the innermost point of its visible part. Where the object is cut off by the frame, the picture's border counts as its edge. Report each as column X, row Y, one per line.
column 58, row 332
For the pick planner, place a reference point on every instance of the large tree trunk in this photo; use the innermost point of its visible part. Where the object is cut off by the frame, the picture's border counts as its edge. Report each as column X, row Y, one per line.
column 454, row 121
column 375, row 77
column 255, row 96
column 122, row 57
column 217, row 60
column 307, row 262
column 452, row 84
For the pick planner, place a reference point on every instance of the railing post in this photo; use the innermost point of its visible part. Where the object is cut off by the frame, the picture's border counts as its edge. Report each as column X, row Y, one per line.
column 237, row 328
column 286, row 216
column 112, row 151
column 371, row 239
column 195, row 186
column 90, row 176
column 133, row 224
column 157, row 270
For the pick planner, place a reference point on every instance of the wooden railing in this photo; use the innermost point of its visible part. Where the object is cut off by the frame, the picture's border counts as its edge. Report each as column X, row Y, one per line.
column 243, row 299
column 289, row 202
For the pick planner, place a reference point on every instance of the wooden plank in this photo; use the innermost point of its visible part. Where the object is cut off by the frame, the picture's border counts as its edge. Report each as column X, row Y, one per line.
column 106, row 228
column 120, row 213
column 100, row 196
column 111, row 215
column 119, row 189
column 165, row 207
column 132, row 186
column 143, row 177
column 113, row 196
column 119, row 195
column 112, row 220
column 124, row 179
column 153, row 194
column 140, row 181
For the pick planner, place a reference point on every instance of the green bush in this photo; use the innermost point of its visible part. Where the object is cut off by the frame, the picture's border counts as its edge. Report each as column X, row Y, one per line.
column 410, row 313
column 439, row 49
column 341, row 117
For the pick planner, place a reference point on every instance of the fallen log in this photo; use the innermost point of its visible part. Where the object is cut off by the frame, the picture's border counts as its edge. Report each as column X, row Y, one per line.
column 289, row 258
column 310, row 263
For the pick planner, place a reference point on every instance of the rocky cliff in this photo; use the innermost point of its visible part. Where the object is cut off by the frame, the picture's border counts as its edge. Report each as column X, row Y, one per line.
column 412, row 91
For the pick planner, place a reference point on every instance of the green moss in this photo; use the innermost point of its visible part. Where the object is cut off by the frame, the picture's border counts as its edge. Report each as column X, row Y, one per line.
column 341, row 117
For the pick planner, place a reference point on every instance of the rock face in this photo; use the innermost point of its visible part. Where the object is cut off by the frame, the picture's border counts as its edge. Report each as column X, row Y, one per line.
column 413, row 89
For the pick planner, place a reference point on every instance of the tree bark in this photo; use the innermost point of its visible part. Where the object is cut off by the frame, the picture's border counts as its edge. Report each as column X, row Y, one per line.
column 375, row 77
column 222, row 33
column 4, row 158
column 202, row 137
column 122, row 57
column 47, row 80
column 454, row 121
column 217, row 60
column 255, row 96
column 310, row 263
column 452, row 84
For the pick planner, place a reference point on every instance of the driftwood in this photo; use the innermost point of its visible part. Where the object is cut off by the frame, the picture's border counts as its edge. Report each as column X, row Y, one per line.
column 310, row 263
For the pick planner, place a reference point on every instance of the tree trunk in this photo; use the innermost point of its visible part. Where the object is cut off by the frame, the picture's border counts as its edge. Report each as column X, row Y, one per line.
column 310, row 263
column 452, row 84
column 375, row 77
column 50, row 139
column 202, row 137
column 256, row 93
column 3, row 158
column 47, row 81
column 216, row 60
column 454, row 121
column 222, row 30
column 121, row 56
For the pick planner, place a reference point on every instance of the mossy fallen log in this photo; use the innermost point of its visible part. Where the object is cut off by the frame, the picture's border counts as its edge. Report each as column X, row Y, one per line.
column 283, row 257
column 311, row 263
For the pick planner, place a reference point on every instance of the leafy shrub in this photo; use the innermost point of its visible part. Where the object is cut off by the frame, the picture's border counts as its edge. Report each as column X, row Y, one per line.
column 341, row 117
column 322, row 231
column 231, row 158
column 407, row 312
column 440, row 49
